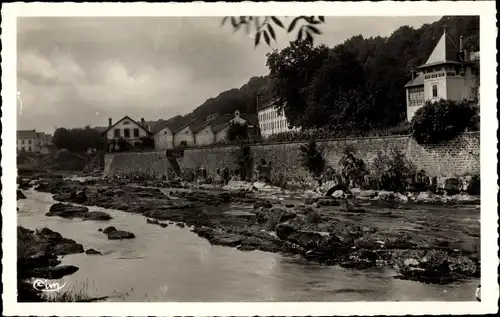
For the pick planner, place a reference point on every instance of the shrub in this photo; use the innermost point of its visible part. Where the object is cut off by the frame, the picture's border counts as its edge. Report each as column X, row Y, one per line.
column 353, row 169
column 312, row 159
column 237, row 132
column 244, row 160
column 441, row 121
column 394, row 171
column 474, row 187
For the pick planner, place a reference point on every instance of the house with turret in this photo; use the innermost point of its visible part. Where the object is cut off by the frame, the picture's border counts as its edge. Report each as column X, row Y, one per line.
column 449, row 73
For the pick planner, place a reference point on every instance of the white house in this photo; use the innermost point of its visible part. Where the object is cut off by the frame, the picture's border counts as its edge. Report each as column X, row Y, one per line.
column 163, row 137
column 204, row 135
column 270, row 121
column 127, row 129
column 448, row 74
column 184, row 136
column 220, row 132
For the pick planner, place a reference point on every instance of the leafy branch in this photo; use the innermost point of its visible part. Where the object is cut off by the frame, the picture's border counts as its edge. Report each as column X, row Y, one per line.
column 264, row 27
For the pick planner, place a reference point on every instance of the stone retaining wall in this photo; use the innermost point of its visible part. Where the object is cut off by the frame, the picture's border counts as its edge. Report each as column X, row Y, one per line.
column 456, row 158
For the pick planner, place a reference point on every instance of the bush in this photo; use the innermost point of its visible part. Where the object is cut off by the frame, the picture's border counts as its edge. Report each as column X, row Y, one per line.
column 244, row 160
column 474, row 187
column 353, row 169
column 393, row 172
column 442, row 121
column 312, row 159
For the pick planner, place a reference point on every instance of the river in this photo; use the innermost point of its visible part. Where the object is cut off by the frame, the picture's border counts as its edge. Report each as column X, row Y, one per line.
column 173, row 264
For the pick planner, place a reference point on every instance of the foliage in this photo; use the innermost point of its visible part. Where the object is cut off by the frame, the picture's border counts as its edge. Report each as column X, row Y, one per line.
column 392, row 171
column 147, row 142
column 264, row 29
column 78, row 139
column 441, row 121
column 353, row 168
column 237, row 132
column 474, row 187
column 244, row 160
column 313, row 159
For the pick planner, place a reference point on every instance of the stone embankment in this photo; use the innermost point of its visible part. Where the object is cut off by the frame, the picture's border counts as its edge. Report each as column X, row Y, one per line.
column 340, row 229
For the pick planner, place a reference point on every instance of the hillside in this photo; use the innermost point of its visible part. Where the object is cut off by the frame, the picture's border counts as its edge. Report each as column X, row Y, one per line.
column 386, row 61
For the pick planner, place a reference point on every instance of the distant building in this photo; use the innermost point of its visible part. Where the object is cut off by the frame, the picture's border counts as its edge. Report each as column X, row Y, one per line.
column 270, row 121
column 447, row 74
column 127, row 129
column 184, row 136
column 32, row 141
column 163, row 136
column 204, row 135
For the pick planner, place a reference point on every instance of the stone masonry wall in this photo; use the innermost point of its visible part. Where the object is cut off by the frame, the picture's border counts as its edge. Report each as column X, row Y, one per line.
column 456, row 158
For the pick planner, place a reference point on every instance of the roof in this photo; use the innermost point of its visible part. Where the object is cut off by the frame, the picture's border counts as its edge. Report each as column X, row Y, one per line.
column 417, row 81
column 251, row 118
column 127, row 117
column 157, row 126
column 269, row 104
column 198, row 128
column 445, row 52
column 27, row 134
column 219, row 127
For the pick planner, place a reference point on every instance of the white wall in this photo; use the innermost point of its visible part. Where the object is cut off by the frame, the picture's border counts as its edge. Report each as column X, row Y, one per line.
column 126, row 124
column 271, row 123
column 164, row 139
column 28, row 145
column 221, row 135
column 184, row 135
column 205, row 136
column 237, row 118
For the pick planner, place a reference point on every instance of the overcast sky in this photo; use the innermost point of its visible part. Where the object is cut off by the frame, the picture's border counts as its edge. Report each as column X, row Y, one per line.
column 74, row 72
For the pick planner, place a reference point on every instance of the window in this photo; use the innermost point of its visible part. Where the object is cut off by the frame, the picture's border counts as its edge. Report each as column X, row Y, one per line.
column 29, row 141
column 22, row 141
column 136, row 133
column 125, row 122
column 117, row 133
column 434, row 91
column 126, row 133
column 29, row 148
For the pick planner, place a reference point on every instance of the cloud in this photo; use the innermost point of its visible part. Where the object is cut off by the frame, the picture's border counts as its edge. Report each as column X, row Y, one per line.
column 69, row 69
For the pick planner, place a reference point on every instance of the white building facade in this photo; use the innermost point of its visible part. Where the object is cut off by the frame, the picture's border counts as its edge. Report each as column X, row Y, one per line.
column 270, row 121
column 448, row 74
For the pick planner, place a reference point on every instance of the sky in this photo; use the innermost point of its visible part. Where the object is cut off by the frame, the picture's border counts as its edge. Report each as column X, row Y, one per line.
column 73, row 72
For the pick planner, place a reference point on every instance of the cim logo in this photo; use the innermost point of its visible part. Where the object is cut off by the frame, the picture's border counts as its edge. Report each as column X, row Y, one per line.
column 44, row 286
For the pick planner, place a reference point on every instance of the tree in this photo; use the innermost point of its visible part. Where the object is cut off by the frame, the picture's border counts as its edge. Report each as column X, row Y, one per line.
column 78, row 139
column 264, row 29
column 313, row 160
column 292, row 70
column 237, row 132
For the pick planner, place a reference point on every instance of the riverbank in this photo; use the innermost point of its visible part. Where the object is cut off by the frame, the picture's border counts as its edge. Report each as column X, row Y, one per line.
column 354, row 233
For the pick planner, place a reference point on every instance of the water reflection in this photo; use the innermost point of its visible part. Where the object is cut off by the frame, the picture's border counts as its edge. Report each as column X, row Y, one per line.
column 173, row 264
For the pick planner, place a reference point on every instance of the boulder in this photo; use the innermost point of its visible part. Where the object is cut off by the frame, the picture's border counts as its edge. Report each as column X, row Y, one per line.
column 336, row 188
column 97, row 215
column 263, row 204
column 67, row 211
column 109, row 229
column 67, row 246
column 54, row 273
column 452, row 186
column 20, row 195
column 92, row 252
column 119, row 235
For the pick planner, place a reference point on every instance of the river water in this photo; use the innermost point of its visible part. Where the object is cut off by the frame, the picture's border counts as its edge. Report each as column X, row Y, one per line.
column 173, row 264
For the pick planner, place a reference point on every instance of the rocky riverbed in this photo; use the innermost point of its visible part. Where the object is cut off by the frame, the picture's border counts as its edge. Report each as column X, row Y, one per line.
column 343, row 229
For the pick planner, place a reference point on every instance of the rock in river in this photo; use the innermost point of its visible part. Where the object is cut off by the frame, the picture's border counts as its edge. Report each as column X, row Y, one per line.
column 109, row 229
column 119, row 235
column 20, row 195
column 92, row 252
column 96, row 215
column 67, row 211
column 54, row 273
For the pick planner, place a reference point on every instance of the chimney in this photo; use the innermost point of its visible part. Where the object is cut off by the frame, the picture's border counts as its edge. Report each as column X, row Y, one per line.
column 461, row 43
column 412, row 74
column 110, row 122
column 142, row 121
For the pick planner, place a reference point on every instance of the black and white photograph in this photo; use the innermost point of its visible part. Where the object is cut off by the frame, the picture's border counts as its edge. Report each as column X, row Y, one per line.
column 226, row 158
